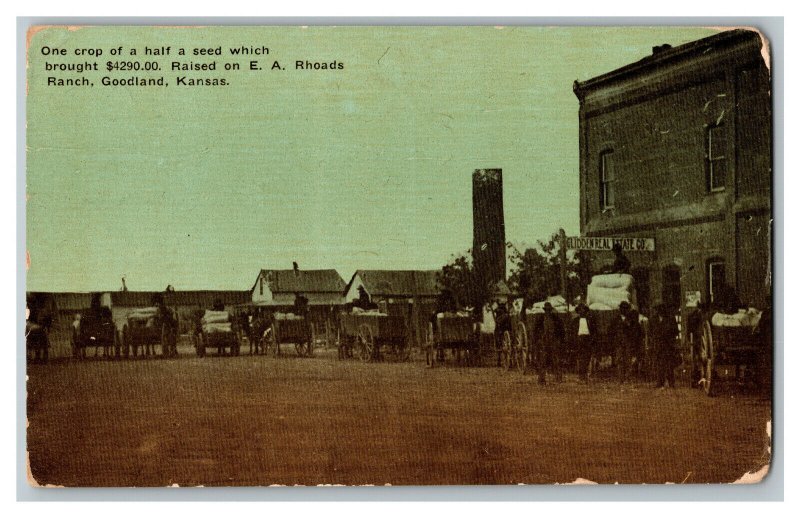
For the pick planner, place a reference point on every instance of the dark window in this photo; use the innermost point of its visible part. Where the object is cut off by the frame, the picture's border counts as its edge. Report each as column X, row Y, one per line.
column 671, row 287
column 606, row 180
column 716, row 280
column 641, row 279
column 261, row 286
column 716, row 163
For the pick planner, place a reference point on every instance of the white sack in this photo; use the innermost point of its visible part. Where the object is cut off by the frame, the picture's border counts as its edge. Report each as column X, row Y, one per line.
column 216, row 327
column 609, row 296
column 143, row 313
column 613, row 280
column 215, row 317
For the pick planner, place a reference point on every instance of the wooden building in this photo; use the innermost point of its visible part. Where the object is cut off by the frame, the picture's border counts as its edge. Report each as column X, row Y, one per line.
column 411, row 293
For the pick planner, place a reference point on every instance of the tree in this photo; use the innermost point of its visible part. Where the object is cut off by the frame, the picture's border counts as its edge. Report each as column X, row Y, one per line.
column 536, row 273
column 461, row 281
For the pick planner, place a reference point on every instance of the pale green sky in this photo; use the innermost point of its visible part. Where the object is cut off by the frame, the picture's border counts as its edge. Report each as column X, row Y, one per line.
column 366, row 167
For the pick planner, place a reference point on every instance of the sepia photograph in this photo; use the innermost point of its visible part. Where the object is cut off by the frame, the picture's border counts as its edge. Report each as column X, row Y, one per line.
column 410, row 255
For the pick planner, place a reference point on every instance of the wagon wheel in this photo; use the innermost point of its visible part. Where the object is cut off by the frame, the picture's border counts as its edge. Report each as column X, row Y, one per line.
column 430, row 359
column 507, row 357
column 366, row 343
column 271, row 341
column 522, row 348
column 707, row 353
column 305, row 349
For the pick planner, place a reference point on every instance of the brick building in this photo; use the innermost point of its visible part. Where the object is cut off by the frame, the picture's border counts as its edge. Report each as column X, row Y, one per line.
column 677, row 147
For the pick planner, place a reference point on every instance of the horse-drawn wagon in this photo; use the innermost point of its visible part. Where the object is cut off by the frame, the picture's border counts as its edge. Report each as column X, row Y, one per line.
column 95, row 328
column 734, row 341
column 519, row 347
column 457, row 332
column 367, row 333
column 146, row 328
column 215, row 330
column 288, row 328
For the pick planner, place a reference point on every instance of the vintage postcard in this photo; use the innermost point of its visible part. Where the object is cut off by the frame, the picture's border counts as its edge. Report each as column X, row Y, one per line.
column 398, row 255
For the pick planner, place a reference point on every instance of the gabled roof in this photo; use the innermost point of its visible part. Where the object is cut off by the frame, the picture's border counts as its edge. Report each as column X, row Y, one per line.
column 303, row 281
column 383, row 283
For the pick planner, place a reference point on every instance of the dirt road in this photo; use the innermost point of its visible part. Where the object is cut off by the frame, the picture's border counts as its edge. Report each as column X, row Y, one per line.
column 261, row 421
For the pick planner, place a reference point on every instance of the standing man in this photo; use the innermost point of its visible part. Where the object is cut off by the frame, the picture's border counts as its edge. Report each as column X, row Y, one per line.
column 551, row 340
column 664, row 331
column 627, row 336
column 583, row 333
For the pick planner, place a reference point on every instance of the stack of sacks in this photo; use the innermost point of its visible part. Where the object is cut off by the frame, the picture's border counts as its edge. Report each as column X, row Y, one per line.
column 146, row 315
column 143, row 313
column 606, row 292
column 216, row 322
column 557, row 301
column 744, row 318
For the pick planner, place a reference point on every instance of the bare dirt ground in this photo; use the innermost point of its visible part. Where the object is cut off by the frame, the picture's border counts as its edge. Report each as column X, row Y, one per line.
column 246, row 420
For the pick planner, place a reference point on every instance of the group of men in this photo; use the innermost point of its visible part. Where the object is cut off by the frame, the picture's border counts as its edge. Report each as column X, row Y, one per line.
column 625, row 337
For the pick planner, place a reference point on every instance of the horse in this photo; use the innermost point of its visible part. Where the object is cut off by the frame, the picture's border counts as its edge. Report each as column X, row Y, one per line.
column 37, row 339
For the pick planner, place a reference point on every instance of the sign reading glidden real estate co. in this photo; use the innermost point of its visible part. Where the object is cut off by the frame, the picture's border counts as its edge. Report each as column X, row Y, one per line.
column 598, row 244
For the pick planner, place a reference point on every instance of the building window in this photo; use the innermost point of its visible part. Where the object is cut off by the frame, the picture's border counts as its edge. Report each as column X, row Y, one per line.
column 607, row 180
column 716, row 280
column 261, row 286
column 716, row 163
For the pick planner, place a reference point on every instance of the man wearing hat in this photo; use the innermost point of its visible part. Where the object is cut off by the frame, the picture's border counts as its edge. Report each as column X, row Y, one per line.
column 583, row 333
column 551, row 339
column 627, row 337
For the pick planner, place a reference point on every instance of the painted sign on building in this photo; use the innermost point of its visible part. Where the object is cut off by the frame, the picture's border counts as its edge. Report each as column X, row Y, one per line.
column 629, row 244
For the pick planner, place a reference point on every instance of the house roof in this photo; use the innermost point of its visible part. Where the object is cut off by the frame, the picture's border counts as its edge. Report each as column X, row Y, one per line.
column 303, row 281
column 664, row 55
column 399, row 282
